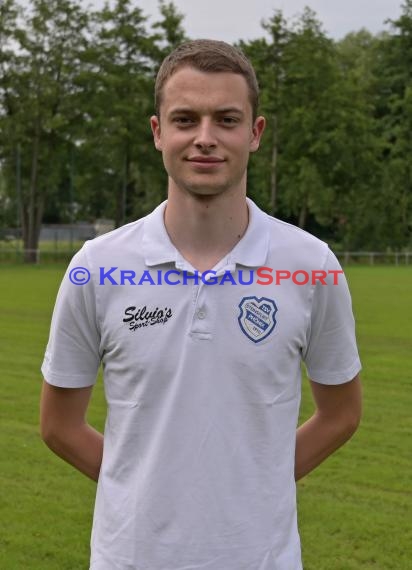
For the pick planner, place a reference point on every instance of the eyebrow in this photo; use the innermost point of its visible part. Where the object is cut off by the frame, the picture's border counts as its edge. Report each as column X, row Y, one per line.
column 225, row 110
column 220, row 111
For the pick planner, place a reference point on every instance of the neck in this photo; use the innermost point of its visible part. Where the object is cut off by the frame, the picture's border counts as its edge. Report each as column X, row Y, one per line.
column 205, row 228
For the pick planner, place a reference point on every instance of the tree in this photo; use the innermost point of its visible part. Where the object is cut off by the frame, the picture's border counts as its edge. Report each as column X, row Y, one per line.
column 395, row 108
column 37, row 103
column 268, row 60
column 116, row 101
column 9, row 12
column 171, row 32
column 358, row 172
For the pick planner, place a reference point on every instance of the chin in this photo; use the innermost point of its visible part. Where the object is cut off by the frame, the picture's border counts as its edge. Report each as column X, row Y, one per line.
column 203, row 190
column 206, row 193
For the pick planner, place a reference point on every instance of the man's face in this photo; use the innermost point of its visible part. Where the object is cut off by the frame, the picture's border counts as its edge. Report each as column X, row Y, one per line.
column 206, row 131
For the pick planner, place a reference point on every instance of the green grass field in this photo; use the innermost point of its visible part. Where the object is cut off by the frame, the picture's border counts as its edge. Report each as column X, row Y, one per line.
column 355, row 511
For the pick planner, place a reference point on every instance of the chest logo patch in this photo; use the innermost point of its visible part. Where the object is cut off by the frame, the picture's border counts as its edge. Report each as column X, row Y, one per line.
column 142, row 317
column 257, row 317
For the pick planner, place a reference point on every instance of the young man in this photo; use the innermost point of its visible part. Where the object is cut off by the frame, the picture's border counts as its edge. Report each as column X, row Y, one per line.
column 201, row 334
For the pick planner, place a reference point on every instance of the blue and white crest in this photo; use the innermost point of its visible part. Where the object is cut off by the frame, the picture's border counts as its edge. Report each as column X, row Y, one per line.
column 257, row 317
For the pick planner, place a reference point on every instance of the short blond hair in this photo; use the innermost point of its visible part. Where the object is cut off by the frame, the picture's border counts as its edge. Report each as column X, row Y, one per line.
column 210, row 56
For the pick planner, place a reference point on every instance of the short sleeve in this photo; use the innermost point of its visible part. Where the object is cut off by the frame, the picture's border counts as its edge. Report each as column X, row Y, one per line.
column 72, row 355
column 331, row 354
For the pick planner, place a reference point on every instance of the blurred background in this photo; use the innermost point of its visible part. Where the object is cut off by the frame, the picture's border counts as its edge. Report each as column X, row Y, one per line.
column 76, row 94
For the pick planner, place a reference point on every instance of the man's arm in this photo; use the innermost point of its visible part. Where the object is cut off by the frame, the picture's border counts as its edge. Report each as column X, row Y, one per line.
column 337, row 416
column 64, row 429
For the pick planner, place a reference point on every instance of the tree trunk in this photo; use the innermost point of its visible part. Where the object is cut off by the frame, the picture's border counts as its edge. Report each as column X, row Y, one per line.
column 33, row 210
column 122, row 196
column 303, row 214
column 31, row 232
column 273, row 167
column 118, row 214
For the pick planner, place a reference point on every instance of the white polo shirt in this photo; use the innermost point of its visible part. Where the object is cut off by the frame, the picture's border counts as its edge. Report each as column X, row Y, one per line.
column 203, row 386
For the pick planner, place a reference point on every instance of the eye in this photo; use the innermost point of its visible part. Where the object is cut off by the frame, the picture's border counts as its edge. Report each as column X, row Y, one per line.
column 229, row 121
column 183, row 121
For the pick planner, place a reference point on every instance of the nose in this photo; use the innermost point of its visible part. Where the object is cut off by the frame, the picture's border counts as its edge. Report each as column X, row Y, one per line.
column 205, row 135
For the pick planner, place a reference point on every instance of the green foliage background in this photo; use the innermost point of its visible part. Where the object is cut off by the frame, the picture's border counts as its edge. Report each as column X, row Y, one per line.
column 76, row 94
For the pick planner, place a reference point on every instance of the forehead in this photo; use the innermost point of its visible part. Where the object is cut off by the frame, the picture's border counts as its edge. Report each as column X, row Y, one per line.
column 191, row 88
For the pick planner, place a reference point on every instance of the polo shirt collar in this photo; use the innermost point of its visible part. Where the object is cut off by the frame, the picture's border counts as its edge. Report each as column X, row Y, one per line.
column 253, row 248
column 157, row 247
column 251, row 251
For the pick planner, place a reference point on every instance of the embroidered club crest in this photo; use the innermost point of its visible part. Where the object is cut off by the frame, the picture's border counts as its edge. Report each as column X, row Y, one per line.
column 257, row 317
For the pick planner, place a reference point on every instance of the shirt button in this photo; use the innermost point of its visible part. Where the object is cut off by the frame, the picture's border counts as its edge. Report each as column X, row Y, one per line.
column 201, row 314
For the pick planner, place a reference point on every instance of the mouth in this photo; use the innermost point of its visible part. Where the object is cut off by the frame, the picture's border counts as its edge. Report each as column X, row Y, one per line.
column 206, row 159
column 205, row 162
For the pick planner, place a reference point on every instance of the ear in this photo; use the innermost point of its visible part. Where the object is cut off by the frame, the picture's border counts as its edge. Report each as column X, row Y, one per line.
column 257, row 132
column 155, row 125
